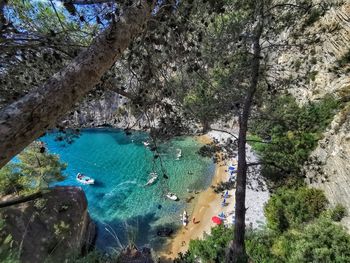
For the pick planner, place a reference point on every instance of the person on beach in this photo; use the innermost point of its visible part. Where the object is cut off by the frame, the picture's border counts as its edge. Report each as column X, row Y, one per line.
column 194, row 220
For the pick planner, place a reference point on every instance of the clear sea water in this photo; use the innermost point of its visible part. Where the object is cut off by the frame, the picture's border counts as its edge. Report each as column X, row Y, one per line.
column 122, row 207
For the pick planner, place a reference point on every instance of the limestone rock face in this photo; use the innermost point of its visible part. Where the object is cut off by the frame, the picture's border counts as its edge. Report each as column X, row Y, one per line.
column 53, row 228
column 329, row 165
column 317, row 63
column 106, row 110
column 310, row 64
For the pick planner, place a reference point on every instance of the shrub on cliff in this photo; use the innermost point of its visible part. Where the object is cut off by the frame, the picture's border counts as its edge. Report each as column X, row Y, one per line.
column 210, row 249
column 318, row 241
column 338, row 212
column 291, row 208
column 289, row 134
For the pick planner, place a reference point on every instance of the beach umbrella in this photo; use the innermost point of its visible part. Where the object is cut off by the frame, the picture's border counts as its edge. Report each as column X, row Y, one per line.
column 226, row 194
column 216, row 220
column 231, row 168
column 223, row 202
column 221, row 215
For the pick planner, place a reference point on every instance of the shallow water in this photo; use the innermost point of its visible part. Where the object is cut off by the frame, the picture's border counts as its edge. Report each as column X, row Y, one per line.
column 122, row 207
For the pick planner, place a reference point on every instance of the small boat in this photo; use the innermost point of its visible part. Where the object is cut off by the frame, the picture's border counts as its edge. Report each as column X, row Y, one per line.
column 184, row 218
column 146, row 144
column 153, row 178
column 84, row 179
column 178, row 154
column 172, row 196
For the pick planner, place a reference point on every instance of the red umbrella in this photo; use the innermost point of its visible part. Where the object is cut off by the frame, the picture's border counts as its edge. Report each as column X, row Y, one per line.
column 216, row 220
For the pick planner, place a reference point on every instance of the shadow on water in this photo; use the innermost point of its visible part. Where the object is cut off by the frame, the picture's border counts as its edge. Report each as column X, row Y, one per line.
column 99, row 184
column 160, row 242
column 138, row 230
column 135, row 137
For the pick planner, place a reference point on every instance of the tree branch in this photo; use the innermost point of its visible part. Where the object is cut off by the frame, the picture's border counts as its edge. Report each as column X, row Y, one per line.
column 86, row 2
column 257, row 141
column 268, row 163
column 21, row 199
column 230, row 133
column 112, row 85
column 28, row 118
column 287, row 5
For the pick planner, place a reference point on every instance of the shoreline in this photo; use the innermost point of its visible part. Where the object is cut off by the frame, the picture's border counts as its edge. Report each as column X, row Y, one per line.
column 208, row 203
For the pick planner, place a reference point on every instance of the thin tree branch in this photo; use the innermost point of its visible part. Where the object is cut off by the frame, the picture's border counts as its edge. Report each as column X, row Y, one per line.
column 270, row 163
column 58, row 17
column 86, row 2
column 257, row 141
column 286, row 5
column 230, row 133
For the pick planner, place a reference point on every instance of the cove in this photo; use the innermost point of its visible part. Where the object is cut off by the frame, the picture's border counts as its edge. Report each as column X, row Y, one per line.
column 123, row 209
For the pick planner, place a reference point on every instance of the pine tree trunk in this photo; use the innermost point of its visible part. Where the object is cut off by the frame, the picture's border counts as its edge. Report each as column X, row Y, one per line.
column 237, row 251
column 25, row 120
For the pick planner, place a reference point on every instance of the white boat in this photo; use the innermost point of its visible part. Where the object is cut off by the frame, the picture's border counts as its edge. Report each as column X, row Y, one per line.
column 146, row 144
column 171, row 196
column 84, row 179
column 178, row 154
column 184, row 218
column 153, row 178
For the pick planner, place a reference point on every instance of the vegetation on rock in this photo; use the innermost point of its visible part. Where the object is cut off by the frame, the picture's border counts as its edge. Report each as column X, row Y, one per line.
column 289, row 132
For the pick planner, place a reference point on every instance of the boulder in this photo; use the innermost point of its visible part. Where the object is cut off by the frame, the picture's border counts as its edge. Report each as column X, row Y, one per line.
column 54, row 227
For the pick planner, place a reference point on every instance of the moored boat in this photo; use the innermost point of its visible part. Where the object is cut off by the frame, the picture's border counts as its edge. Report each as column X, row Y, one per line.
column 153, row 178
column 184, row 218
column 178, row 154
column 84, row 179
column 172, row 196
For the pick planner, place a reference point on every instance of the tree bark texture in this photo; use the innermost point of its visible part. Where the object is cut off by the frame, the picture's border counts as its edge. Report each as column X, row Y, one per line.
column 236, row 251
column 28, row 118
column 21, row 199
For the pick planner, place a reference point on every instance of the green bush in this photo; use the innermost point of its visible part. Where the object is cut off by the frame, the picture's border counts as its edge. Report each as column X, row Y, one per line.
column 11, row 181
column 338, row 212
column 291, row 208
column 290, row 133
column 258, row 246
column 212, row 248
column 312, row 75
column 321, row 241
column 313, row 17
column 318, row 241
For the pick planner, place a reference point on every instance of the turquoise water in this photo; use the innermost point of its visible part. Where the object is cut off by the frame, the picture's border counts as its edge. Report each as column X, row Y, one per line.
column 122, row 207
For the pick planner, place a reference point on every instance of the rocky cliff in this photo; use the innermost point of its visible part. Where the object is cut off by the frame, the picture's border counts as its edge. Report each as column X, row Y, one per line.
column 318, row 63
column 53, row 228
column 108, row 109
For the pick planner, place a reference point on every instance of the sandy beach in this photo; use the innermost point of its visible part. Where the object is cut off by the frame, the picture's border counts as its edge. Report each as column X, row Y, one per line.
column 208, row 204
